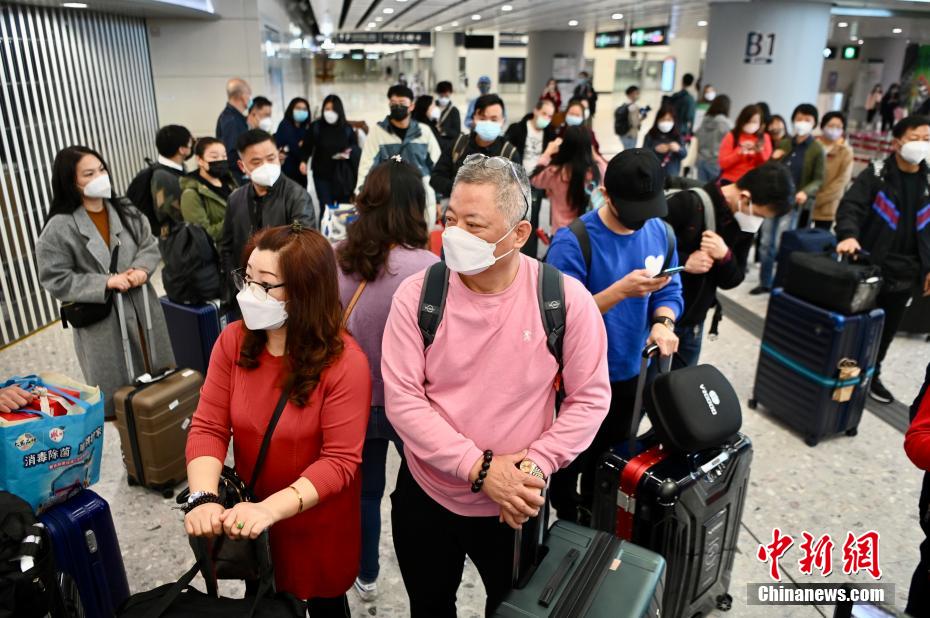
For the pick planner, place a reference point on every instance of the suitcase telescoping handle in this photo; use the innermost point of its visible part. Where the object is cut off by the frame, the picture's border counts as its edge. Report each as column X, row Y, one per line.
column 124, row 331
column 648, row 352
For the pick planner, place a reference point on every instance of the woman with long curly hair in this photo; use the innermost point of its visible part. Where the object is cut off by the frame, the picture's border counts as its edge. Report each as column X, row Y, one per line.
column 383, row 247
column 291, row 341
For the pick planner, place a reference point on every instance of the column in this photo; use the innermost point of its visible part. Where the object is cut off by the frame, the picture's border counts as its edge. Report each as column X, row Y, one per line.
column 541, row 54
column 767, row 51
column 445, row 58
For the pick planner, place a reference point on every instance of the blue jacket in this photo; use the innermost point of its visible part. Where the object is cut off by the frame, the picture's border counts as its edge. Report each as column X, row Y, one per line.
column 289, row 137
column 613, row 256
column 229, row 126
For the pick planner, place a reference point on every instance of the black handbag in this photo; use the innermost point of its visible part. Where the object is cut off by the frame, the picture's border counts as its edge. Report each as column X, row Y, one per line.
column 180, row 600
column 80, row 315
column 242, row 559
column 845, row 284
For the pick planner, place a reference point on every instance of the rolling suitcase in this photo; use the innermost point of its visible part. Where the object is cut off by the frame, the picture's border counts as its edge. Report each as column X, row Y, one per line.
column 87, row 554
column 686, row 507
column 588, row 574
column 193, row 330
column 153, row 415
column 815, row 366
column 806, row 240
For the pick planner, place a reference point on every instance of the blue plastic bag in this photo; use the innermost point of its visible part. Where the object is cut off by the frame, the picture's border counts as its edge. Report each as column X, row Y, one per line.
column 50, row 458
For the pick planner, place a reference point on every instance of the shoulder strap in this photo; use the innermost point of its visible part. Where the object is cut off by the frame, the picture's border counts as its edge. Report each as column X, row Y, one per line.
column 433, row 301
column 551, row 292
column 710, row 217
column 266, row 441
column 351, row 306
column 114, row 258
column 584, row 240
column 670, row 242
column 461, row 143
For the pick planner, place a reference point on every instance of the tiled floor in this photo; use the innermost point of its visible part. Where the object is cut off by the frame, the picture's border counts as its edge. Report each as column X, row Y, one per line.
column 845, row 484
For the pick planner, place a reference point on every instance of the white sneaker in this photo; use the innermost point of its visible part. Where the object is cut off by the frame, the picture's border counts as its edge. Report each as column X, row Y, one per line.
column 368, row 592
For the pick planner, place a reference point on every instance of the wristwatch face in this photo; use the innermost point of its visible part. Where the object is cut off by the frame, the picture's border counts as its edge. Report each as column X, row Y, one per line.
column 526, row 466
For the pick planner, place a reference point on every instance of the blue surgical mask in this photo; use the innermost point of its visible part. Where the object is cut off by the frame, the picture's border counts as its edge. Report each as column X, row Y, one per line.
column 574, row 121
column 542, row 123
column 301, row 115
column 595, row 195
column 488, row 130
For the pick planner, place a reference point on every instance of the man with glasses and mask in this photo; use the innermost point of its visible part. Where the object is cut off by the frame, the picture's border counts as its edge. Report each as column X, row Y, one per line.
column 886, row 212
column 269, row 199
column 474, row 398
column 399, row 134
column 619, row 251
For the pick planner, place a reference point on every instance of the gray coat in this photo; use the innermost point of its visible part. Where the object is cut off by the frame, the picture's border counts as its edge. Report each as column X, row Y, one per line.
column 73, row 263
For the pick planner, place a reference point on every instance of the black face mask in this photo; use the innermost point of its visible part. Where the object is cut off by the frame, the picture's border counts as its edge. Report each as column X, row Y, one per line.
column 218, row 169
column 399, row 112
column 630, row 225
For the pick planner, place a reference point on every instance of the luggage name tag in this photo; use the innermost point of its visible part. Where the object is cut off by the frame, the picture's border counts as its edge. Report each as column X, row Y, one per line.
column 849, row 370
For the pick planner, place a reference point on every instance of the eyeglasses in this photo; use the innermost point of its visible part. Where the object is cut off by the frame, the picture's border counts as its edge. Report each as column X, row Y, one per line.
column 260, row 290
column 499, row 163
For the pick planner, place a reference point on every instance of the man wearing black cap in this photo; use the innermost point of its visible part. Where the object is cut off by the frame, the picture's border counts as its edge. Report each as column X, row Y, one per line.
column 714, row 249
column 617, row 251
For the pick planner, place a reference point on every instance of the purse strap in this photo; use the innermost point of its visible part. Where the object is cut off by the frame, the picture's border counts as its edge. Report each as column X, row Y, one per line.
column 353, row 302
column 266, row 441
column 114, row 258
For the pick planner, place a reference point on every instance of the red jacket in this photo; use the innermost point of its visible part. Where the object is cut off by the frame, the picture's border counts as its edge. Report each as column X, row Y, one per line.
column 733, row 163
column 917, row 438
column 315, row 553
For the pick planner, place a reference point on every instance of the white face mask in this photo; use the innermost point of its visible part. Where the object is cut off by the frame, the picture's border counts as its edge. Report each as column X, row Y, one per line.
column 266, row 174
column 99, row 187
column 833, row 133
column 467, row 254
column 748, row 223
column 803, row 127
column 752, row 128
column 268, row 314
column 710, row 95
column 912, row 152
column 265, row 124
column 666, row 125
column 330, row 116
column 443, row 101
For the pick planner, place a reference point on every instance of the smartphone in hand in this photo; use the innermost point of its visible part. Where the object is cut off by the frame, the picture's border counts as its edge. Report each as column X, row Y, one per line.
column 668, row 272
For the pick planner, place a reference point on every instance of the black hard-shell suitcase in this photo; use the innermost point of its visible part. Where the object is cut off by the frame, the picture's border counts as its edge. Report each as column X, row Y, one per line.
column 685, row 507
column 87, row 554
column 589, row 574
column 803, row 347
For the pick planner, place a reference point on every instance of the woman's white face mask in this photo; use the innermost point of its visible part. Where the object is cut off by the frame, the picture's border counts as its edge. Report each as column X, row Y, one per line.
column 98, row 187
column 268, row 314
column 467, row 254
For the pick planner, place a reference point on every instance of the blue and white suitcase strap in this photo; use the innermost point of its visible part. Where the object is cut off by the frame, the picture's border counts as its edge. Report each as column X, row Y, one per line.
column 811, row 375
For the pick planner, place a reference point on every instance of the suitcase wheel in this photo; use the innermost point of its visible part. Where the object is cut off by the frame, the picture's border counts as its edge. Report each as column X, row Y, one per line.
column 167, row 493
column 811, row 441
column 753, row 403
column 131, row 481
column 724, row 602
column 852, row 432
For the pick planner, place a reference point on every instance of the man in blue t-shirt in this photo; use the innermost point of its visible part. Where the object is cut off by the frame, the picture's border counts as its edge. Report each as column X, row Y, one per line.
column 629, row 244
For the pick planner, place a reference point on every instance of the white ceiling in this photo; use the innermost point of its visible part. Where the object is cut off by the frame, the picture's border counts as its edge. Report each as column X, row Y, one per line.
column 142, row 8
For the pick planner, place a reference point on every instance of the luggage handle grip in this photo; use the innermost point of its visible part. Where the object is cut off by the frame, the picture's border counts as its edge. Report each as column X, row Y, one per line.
column 648, row 352
column 561, row 572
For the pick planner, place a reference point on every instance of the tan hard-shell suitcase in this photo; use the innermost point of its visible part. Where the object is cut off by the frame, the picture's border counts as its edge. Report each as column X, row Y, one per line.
column 153, row 417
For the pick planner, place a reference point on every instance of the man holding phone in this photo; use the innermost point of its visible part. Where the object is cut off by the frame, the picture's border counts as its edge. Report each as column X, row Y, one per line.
column 617, row 251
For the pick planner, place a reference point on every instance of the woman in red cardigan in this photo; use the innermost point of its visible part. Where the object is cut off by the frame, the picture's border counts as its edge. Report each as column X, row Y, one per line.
column 309, row 488
column 746, row 147
column 917, row 447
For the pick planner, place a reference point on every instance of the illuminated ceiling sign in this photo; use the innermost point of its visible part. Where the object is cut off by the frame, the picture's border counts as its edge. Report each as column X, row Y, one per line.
column 603, row 40
column 648, row 37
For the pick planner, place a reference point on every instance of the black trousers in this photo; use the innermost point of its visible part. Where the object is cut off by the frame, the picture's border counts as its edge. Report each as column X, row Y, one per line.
column 320, row 607
column 431, row 543
column 894, row 304
column 569, row 504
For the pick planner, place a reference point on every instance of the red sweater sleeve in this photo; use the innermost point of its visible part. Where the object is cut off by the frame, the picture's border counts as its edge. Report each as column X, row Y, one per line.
column 211, row 426
column 917, row 438
column 729, row 154
column 344, row 421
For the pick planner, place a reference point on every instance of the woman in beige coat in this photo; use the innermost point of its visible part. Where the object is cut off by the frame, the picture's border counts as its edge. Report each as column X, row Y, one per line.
column 837, row 172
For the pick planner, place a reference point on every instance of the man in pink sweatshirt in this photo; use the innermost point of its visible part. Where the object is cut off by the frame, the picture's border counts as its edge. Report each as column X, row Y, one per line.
column 475, row 409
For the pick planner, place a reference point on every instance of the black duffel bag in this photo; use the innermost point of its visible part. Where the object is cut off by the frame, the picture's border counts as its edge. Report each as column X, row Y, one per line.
column 191, row 274
column 692, row 409
column 180, row 600
column 846, row 284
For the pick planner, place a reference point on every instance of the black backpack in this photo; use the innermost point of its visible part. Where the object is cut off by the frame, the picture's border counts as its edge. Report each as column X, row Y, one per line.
column 140, row 194
column 35, row 592
column 622, row 119
column 191, row 274
column 551, row 308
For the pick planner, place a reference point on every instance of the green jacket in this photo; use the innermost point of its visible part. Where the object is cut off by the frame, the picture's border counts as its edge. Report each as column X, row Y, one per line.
column 813, row 170
column 202, row 206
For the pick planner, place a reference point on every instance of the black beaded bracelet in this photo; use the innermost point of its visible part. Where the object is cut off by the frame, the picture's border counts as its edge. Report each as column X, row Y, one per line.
column 483, row 472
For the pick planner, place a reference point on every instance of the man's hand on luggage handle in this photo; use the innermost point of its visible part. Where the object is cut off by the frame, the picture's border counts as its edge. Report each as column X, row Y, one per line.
column 850, row 245
column 517, row 492
column 204, row 520
column 665, row 338
column 13, row 398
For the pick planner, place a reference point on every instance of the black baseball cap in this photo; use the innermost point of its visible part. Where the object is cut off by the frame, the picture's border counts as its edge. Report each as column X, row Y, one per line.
column 635, row 183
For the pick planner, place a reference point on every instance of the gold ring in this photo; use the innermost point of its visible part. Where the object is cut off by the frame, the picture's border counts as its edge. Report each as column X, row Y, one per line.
column 240, row 525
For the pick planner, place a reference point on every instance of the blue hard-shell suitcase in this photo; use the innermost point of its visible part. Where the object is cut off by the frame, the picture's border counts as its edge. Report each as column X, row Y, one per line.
column 87, row 551
column 193, row 330
column 807, row 240
column 798, row 370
